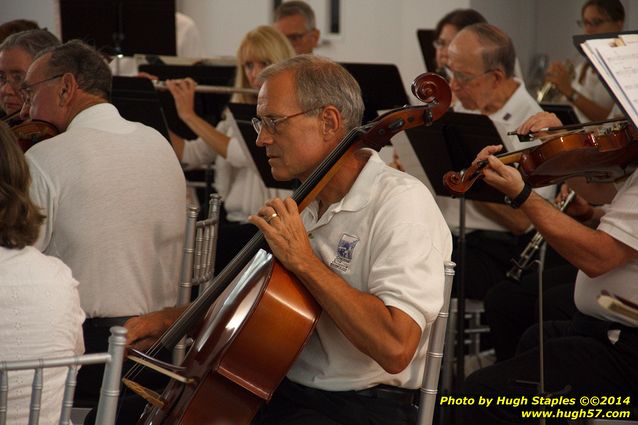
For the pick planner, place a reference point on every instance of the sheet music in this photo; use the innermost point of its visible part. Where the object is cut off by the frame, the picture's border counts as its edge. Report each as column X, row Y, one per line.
column 618, row 66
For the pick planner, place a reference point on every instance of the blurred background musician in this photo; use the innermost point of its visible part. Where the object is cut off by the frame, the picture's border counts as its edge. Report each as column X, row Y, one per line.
column 582, row 88
column 189, row 44
column 113, row 193
column 39, row 302
column 16, row 25
column 241, row 187
column 296, row 20
column 16, row 54
column 481, row 65
column 447, row 28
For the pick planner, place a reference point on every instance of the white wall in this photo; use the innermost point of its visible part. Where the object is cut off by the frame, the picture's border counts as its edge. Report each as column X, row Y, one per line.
column 372, row 30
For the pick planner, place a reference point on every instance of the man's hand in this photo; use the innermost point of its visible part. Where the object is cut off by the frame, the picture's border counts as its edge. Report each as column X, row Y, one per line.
column 539, row 121
column 281, row 224
column 505, row 179
column 144, row 330
column 579, row 209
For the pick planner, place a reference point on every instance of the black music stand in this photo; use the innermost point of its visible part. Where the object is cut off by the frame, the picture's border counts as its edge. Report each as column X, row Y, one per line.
column 381, row 87
column 452, row 143
column 207, row 105
column 240, row 115
column 565, row 113
column 121, row 27
column 426, row 42
column 136, row 100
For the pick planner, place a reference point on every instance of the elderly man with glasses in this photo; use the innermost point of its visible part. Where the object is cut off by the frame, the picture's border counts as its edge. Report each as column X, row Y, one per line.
column 16, row 54
column 112, row 192
column 480, row 64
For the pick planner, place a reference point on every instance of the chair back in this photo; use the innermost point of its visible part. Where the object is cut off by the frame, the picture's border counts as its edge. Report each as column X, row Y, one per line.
column 109, row 392
column 434, row 356
column 198, row 259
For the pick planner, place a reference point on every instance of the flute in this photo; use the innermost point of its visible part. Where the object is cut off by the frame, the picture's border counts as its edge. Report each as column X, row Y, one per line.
column 161, row 85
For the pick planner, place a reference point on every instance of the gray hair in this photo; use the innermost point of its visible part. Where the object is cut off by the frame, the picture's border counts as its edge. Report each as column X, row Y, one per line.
column 84, row 62
column 320, row 82
column 295, row 7
column 498, row 49
column 31, row 41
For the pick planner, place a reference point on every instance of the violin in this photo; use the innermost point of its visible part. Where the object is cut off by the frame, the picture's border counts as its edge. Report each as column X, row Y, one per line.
column 255, row 317
column 31, row 132
column 601, row 155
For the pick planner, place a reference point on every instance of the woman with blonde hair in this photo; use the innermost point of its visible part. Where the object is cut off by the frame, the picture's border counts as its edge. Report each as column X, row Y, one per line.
column 236, row 181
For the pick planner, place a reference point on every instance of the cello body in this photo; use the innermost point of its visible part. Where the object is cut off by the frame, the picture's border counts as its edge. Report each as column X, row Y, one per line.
column 259, row 325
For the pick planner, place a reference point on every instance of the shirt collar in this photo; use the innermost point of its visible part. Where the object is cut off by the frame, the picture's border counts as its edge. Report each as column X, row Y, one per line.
column 359, row 194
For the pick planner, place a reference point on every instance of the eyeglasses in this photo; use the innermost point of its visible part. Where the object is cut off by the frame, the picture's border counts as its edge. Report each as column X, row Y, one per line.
column 13, row 79
column 296, row 37
column 271, row 124
column 463, row 78
column 26, row 91
column 440, row 43
column 594, row 23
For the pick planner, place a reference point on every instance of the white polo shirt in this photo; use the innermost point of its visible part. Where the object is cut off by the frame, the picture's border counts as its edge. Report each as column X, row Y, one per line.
column 386, row 237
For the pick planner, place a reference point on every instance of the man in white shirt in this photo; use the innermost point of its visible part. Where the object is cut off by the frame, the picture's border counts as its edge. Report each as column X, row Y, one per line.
column 112, row 191
column 480, row 64
column 370, row 249
column 595, row 353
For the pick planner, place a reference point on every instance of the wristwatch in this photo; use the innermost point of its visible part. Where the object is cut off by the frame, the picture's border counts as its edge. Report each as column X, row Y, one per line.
column 520, row 198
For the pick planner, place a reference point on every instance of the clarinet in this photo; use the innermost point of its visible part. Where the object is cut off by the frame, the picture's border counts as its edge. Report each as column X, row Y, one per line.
column 532, row 247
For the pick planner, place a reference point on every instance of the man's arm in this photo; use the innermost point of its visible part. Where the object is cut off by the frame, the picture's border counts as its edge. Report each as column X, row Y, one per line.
column 592, row 251
column 515, row 221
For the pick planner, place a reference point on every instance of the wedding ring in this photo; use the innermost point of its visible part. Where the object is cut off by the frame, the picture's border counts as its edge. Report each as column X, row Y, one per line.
column 273, row 215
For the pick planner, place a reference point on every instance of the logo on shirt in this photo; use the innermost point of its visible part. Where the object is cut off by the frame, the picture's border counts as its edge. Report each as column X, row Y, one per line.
column 346, row 246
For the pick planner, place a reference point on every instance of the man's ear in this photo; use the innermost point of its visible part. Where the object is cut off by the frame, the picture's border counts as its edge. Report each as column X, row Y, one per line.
column 331, row 120
column 315, row 34
column 69, row 85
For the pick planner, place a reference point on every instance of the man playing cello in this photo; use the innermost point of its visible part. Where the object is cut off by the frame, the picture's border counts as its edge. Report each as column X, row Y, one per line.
column 370, row 250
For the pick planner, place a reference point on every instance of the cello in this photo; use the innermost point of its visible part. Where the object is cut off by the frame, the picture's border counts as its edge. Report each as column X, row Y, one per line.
column 261, row 316
column 600, row 155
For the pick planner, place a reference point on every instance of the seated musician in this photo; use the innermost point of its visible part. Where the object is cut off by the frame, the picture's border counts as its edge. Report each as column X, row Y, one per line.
column 370, row 250
column 596, row 352
column 511, row 307
column 112, row 191
column 481, row 66
column 39, row 303
column 236, row 180
column 296, row 20
column 16, row 54
column 582, row 86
